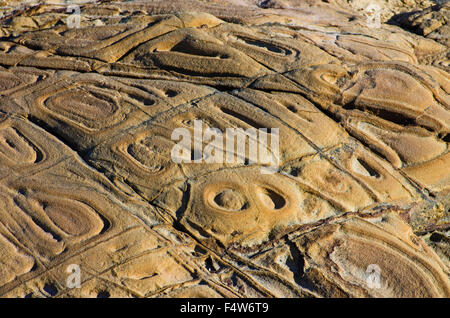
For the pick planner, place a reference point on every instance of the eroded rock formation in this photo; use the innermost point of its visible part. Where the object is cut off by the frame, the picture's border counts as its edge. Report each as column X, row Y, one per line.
column 87, row 177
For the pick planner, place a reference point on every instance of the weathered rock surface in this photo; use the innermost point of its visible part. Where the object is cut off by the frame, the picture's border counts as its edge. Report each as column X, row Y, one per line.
column 432, row 22
column 87, row 177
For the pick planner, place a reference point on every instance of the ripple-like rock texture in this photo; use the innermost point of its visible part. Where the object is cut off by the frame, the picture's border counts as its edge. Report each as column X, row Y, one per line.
column 359, row 204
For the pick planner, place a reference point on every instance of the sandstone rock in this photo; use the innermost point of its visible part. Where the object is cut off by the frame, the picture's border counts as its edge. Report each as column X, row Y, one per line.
column 358, row 205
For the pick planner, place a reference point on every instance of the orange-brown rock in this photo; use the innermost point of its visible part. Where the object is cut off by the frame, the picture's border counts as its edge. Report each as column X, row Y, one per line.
column 357, row 206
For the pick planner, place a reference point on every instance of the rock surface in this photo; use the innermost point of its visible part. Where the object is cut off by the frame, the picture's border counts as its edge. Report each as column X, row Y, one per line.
column 432, row 22
column 359, row 206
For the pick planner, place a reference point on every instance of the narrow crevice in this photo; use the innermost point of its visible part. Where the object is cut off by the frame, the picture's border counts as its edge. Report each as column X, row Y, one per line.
column 50, row 289
column 53, row 131
column 372, row 172
column 296, row 264
column 184, row 202
column 243, row 118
